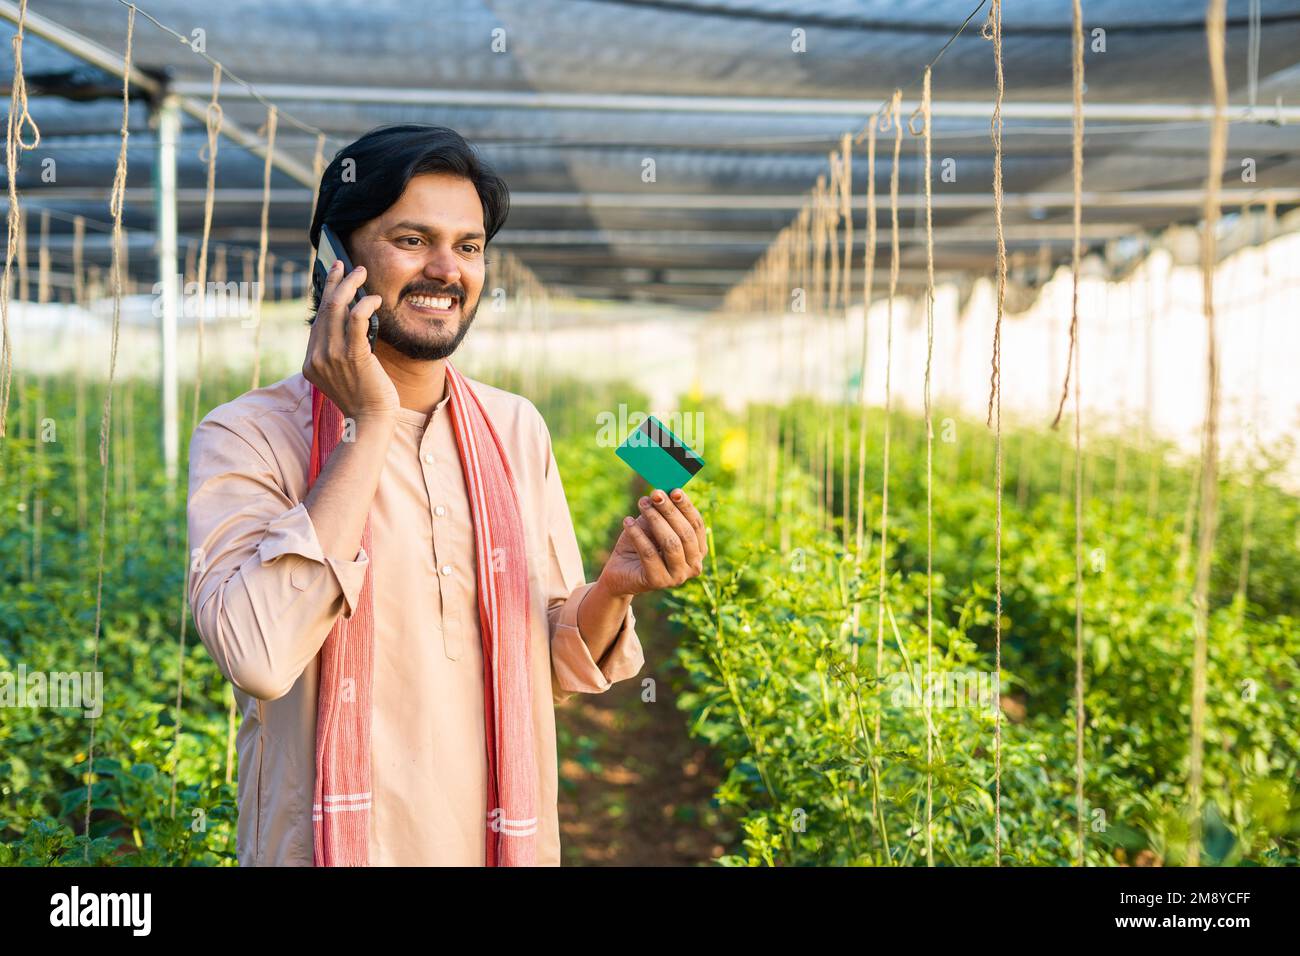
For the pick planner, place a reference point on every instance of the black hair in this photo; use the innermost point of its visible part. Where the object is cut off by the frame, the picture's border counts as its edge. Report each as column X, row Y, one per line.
column 366, row 177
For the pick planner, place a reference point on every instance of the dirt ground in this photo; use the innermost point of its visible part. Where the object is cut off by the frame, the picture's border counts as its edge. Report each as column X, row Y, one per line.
column 634, row 789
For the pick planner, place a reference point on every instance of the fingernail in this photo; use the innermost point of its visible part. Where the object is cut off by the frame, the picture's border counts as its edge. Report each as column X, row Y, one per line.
column 677, row 494
column 658, row 497
column 628, row 521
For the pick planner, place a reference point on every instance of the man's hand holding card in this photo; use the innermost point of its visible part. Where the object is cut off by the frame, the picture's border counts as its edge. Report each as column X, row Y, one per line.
column 665, row 545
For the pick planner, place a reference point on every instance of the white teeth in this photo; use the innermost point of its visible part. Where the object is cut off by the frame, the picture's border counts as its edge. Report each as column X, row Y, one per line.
column 431, row 302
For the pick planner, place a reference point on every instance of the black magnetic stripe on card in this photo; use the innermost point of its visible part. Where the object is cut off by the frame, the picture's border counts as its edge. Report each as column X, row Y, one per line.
column 675, row 449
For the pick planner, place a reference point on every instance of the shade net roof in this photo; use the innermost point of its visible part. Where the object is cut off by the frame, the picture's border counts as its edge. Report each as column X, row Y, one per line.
column 728, row 174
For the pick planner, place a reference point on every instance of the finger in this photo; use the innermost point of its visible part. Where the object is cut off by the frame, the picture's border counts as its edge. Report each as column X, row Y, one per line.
column 687, row 507
column 652, row 565
column 340, row 297
column 670, row 546
column 332, row 276
column 358, row 326
column 349, row 284
column 680, row 524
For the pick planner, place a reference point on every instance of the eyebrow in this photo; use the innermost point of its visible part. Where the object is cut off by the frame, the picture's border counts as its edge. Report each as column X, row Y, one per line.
column 427, row 231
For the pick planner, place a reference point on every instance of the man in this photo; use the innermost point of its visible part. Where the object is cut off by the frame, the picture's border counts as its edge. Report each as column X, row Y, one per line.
column 385, row 566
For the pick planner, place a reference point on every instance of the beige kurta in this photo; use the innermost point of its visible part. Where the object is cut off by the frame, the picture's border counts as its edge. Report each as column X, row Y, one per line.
column 264, row 598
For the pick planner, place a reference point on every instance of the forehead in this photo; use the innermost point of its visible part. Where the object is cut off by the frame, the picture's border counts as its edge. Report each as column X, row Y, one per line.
column 442, row 201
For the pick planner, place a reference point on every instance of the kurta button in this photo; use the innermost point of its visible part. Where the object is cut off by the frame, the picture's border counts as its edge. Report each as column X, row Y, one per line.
column 440, row 511
column 446, row 569
column 428, row 459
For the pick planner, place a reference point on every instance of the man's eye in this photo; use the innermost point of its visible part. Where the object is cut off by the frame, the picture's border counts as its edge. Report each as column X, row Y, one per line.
column 416, row 240
column 470, row 248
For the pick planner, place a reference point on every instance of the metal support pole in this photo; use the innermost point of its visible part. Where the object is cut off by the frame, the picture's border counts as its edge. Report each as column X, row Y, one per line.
column 771, row 105
column 169, row 125
column 1153, row 198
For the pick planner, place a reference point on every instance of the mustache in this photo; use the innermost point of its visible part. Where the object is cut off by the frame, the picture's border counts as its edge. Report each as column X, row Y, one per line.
column 433, row 289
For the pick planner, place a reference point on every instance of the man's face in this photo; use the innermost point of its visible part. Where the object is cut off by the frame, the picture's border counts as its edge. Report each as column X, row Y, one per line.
column 424, row 258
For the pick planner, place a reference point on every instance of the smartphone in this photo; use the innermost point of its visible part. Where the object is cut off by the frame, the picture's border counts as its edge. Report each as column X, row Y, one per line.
column 328, row 250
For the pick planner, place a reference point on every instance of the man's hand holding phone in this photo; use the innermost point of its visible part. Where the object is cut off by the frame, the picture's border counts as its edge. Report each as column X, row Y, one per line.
column 339, row 360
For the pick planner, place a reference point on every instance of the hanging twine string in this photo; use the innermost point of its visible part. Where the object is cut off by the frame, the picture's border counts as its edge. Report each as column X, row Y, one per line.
column 287, row 270
column 271, row 115
column 793, row 283
column 923, row 112
column 79, row 298
column 78, row 268
column 1079, row 716
column 1215, row 41
column 821, row 245
column 24, row 291
column 832, row 219
column 317, row 170
column 191, row 252
column 893, row 121
column 868, row 278
column 213, row 119
column 869, row 256
column 209, row 156
column 817, row 292
column 788, row 279
column 18, row 118
column 833, row 198
column 1248, row 516
column 105, row 425
column 993, row 31
column 846, row 211
column 43, row 260
column 1077, row 171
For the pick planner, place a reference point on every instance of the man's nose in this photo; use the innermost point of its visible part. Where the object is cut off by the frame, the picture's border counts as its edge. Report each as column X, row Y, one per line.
column 441, row 265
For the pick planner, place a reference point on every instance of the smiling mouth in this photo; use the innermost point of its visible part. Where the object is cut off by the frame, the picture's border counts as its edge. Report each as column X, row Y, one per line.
column 439, row 305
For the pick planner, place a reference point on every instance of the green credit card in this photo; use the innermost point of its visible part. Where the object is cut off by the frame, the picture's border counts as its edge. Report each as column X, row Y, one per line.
column 659, row 456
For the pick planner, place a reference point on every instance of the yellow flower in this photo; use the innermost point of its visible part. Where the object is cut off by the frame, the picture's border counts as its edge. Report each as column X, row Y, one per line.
column 735, row 449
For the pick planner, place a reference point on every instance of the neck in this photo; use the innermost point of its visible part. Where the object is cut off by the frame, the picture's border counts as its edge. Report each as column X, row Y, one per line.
column 420, row 385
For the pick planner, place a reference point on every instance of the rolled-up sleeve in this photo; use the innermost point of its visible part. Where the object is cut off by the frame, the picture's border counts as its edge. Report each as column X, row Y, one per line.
column 293, row 533
column 573, row 669
column 263, row 594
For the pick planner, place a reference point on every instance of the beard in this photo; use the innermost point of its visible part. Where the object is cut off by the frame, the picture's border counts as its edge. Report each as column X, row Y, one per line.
column 430, row 341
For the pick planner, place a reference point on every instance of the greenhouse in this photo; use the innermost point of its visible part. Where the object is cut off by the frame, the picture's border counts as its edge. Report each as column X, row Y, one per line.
column 968, row 335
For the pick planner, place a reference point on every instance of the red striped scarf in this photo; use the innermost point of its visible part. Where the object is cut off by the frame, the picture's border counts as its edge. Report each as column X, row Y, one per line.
column 342, row 801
